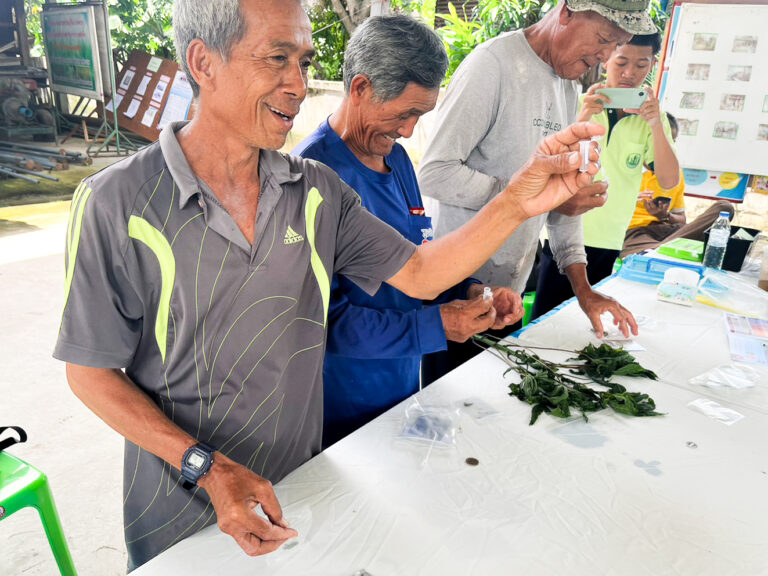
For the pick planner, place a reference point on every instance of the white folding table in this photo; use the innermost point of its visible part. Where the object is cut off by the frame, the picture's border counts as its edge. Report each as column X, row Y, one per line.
column 678, row 494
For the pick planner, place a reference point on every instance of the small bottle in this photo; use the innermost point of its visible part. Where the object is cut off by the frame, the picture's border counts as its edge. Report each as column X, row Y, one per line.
column 718, row 240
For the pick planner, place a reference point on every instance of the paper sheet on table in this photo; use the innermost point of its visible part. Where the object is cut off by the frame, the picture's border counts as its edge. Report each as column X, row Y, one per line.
column 624, row 343
column 179, row 101
column 149, row 116
column 614, row 337
column 142, row 89
column 748, row 339
column 133, row 107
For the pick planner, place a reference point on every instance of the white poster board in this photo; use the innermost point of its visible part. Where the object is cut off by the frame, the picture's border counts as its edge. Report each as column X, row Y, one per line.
column 718, row 87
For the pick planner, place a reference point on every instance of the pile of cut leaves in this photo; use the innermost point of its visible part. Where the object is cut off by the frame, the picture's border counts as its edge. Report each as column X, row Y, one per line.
column 549, row 390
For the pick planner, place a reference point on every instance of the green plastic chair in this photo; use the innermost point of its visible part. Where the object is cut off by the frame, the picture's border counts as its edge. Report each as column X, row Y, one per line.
column 21, row 486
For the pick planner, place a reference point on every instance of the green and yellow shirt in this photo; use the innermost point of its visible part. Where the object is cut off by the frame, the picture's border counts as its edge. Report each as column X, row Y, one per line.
column 625, row 148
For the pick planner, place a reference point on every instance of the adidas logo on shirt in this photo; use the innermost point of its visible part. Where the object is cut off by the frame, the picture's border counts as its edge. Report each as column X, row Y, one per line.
column 292, row 237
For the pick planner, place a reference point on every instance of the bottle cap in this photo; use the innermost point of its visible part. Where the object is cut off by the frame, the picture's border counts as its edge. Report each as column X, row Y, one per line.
column 726, row 214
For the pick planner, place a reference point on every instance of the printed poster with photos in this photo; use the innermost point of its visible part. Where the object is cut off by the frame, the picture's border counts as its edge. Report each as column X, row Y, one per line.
column 716, row 84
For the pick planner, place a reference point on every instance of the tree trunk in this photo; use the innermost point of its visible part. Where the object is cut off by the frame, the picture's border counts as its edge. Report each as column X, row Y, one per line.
column 351, row 12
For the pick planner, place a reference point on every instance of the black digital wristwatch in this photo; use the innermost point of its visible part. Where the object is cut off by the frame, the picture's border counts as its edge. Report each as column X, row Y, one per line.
column 195, row 464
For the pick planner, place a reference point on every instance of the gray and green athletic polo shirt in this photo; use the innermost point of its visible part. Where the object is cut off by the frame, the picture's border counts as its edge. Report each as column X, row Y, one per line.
column 226, row 338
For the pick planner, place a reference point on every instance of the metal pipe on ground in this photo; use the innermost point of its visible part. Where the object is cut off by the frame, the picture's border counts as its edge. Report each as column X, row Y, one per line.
column 56, row 157
column 19, row 176
column 25, row 171
column 17, row 159
column 48, row 163
column 41, row 150
column 36, row 155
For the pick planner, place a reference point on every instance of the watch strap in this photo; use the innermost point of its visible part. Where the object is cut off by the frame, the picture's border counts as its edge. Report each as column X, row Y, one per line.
column 189, row 481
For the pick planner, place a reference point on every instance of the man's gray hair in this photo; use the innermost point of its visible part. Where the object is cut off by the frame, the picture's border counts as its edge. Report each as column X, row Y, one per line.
column 393, row 51
column 220, row 24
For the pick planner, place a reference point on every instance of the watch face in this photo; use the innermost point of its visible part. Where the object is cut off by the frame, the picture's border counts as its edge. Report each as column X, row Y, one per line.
column 196, row 460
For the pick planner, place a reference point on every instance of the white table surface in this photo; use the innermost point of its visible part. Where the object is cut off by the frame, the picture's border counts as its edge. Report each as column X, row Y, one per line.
column 617, row 495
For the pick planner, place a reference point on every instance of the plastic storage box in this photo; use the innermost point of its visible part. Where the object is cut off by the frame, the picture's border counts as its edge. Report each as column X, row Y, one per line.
column 683, row 248
column 650, row 270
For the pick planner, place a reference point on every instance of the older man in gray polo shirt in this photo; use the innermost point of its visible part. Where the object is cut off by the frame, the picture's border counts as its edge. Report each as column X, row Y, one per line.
column 202, row 265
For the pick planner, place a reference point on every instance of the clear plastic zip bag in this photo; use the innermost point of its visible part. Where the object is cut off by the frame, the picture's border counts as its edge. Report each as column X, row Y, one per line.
column 728, row 376
column 430, row 424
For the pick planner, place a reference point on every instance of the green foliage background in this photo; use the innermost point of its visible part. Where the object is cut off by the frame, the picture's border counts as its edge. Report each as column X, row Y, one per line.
column 146, row 25
column 331, row 37
column 465, row 29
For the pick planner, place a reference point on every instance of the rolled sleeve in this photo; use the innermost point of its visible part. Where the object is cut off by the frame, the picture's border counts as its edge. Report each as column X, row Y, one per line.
column 566, row 240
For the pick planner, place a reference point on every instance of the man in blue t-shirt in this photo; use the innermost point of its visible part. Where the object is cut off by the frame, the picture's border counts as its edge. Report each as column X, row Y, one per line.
column 393, row 69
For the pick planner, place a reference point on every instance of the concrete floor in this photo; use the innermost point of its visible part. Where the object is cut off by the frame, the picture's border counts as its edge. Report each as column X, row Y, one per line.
column 80, row 454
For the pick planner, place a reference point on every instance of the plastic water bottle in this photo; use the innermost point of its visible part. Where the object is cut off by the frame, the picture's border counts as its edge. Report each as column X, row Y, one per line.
column 718, row 240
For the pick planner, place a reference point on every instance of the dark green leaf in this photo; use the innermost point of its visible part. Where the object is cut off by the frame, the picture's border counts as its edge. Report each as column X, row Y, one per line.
column 536, row 412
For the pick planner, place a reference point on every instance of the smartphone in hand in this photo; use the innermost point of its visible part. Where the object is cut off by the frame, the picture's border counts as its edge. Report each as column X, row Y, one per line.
column 662, row 201
column 625, row 98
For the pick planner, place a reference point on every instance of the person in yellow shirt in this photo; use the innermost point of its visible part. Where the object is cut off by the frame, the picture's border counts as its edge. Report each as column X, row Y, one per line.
column 660, row 214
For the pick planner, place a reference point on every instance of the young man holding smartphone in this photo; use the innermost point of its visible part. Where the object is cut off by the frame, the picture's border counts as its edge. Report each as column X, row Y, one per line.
column 634, row 138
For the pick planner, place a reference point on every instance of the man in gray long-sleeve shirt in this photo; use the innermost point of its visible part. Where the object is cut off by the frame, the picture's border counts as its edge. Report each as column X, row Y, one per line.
column 509, row 94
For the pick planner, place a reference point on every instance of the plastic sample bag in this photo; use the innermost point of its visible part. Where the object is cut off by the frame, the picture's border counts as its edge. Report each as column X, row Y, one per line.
column 729, row 292
column 430, row 424
column 476, row 408
column 728, row 376
column 716, row 411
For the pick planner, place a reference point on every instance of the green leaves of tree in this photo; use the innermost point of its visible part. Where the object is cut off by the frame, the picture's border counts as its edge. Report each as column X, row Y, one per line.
column 551, row 391
column 142, row 25
column 463, row 31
